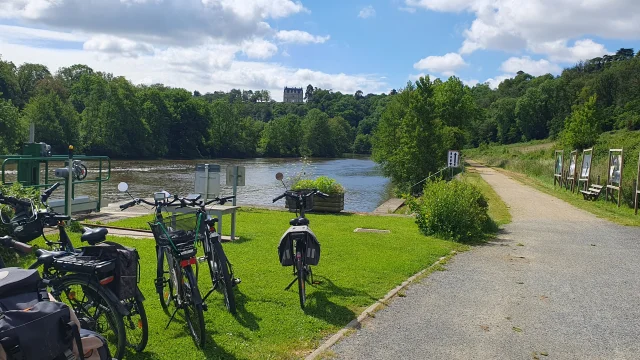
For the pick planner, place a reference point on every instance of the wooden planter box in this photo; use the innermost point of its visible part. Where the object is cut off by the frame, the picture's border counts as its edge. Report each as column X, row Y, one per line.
column 333, row 204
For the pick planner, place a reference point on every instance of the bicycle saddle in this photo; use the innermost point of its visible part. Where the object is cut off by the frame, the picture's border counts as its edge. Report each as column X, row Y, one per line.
column 299, row 222
column 46, row 257
column 94, row 236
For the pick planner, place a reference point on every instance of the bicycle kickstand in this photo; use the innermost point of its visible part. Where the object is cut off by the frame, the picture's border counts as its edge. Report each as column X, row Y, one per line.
column 291, row 284
column 172, row 317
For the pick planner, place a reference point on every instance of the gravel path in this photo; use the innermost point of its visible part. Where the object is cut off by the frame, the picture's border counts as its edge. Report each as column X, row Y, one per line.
column 558, row 283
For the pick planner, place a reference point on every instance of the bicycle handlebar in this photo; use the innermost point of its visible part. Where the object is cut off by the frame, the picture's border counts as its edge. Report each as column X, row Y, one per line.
column 296, row 194
column 8, row 242
column 15, row 202
column 47, row 193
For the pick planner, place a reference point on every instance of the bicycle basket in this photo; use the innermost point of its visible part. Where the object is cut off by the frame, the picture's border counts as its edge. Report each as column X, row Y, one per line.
column 26, row 228
column 185, row 222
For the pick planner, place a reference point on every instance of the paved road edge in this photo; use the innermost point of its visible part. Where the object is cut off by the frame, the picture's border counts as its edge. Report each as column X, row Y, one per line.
column 368, row 312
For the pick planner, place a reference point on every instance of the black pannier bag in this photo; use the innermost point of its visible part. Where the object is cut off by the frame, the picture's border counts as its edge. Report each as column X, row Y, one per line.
column 127, row 267
column 31, row 326
column 294, row 234
column 25, row 227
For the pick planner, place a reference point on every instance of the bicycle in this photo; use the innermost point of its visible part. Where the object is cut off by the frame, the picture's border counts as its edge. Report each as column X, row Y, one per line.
column 220, row 268
column 176, row 283
column 300, row 240
column 69, row 274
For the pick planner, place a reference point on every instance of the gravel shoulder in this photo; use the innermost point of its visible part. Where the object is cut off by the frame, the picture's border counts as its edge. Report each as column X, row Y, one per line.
column 557, row 283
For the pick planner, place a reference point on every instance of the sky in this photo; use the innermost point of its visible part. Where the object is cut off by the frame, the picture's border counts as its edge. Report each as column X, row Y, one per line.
column 343, row 45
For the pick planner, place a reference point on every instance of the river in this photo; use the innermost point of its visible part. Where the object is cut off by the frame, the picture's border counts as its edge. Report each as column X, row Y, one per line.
column 365, row 187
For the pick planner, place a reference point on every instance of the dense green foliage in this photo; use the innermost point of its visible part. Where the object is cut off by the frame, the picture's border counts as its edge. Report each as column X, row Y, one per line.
column 322, row 183
column 105, row 115
column 453, row 210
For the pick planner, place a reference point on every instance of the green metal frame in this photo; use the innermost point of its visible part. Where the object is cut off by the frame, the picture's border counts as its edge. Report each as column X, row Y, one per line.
column 8, row 159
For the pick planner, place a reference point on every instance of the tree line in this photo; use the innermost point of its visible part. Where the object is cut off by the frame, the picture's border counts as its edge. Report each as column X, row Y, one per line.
column 102, row 114
column 429, row 117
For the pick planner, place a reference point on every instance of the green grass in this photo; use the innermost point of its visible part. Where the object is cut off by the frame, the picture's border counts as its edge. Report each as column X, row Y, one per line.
column 498, row 210
column 533, row 164
column 355, row 270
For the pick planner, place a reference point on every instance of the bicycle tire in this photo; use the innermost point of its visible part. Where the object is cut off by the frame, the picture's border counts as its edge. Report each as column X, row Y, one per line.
column 222, row 272
column 82, row 174
column 131, row 322
column 196, row 324
column 115, row 334
column 301, row 281
column 168, row 292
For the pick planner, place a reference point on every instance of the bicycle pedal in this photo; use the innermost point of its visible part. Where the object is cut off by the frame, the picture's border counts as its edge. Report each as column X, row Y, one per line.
column 202, row 259
column 236, row 281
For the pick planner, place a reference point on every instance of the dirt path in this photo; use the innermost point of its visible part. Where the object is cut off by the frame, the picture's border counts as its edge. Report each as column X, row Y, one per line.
column 558, row 283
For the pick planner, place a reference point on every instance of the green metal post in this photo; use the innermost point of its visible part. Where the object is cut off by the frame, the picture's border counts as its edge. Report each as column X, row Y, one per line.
column 69, row 183
column 99, row 187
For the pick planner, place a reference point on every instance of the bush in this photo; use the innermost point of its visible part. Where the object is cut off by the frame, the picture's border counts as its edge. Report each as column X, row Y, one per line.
column 323, row 183
column 453, row 210
column 18, row 191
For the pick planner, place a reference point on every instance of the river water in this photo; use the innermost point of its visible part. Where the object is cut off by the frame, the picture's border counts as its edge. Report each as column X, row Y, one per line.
column 365, row 187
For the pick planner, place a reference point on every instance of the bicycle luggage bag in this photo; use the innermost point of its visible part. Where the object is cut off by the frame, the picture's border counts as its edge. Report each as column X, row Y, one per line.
column 126, row 268
column 31, row 326
column 299, row 233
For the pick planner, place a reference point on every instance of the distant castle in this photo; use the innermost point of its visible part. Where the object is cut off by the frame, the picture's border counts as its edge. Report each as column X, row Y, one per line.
column 293, row 95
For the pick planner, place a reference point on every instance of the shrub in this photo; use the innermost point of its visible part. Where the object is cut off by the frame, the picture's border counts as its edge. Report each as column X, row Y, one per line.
column 453, row 210
column 20, row 192
column 323, row 183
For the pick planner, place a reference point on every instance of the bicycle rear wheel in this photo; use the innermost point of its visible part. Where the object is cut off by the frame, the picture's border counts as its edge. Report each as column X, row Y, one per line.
column 302, row 275
column 221, row 275
column 94, row 310
column 192, row 306
column 136, row 324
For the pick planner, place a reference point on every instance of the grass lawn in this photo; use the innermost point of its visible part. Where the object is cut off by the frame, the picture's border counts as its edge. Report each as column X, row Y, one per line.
column 498, row 210
column 355, row 270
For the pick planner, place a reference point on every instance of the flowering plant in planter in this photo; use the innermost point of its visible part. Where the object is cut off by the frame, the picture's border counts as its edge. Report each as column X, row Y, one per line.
column 327, row 185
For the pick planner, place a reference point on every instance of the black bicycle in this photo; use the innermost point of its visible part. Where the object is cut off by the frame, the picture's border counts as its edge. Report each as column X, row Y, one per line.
column 176, row 282
column 299, row 246
column 220, row 268
column 85, row 283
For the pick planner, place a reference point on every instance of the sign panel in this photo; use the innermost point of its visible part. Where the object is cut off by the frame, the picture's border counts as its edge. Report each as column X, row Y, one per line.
column 207, row 182
column 241, row 175
column 572, row 165
column 558, row 163
column 586, row 165
column 453, row 158
column 614, row 169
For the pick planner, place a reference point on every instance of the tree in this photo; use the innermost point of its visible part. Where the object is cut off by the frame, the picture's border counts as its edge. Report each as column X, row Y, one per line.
column 358, row 95
column 282, row 137
column 28, row 77
column 316, row 135
column 503, row 112
column 55, row 121
column 12, row 128
column 309, row 93
column 340, row 135
column 532, row 114
column 9, row 87
column 582, row 128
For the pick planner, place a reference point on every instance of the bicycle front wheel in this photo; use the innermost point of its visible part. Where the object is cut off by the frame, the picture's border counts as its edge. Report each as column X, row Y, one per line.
column 93, row 309
column 221, row 275
column 193, row 312
column 167, row 280
column 136, row 323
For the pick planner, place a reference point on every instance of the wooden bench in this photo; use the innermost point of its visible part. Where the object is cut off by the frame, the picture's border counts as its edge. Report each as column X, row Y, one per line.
column 593, row 193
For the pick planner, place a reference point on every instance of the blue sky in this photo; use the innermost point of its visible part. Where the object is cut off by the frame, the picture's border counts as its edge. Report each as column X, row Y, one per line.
column 374, row 46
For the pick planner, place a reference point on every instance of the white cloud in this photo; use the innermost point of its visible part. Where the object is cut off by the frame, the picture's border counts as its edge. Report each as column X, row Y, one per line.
column 206, row 69
column 259, row 49
column 446, row 64
column 115, row 45
column 367, row 12
column 19, row 33
column 173, row 22
column 471, row 83
column 530, row 66
column 440, row 5
column 543, row 26
column 560, row 52
column 300, row 37
column 495, row 81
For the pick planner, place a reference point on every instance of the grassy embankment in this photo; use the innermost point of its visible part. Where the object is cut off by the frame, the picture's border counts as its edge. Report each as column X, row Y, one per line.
column 355, row 270
column 533, row 164
column 498, row 210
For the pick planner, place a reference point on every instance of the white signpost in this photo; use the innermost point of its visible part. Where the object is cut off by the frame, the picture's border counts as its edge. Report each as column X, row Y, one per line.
column 235, row 178
column 453, row 159
column 208, row 181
